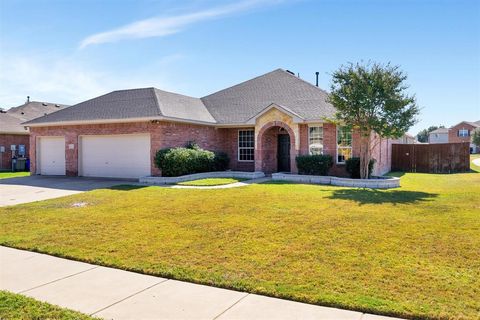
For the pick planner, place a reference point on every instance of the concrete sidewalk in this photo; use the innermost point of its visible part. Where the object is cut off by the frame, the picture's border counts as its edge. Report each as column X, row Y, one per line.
column 117, row 294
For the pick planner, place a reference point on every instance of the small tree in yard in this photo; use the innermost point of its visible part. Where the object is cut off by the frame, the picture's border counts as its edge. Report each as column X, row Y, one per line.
column 372, row 99
column 476, row 137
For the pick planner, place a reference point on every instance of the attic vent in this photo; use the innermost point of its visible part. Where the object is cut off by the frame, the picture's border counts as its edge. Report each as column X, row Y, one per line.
column 291, row 72
column 44, row 104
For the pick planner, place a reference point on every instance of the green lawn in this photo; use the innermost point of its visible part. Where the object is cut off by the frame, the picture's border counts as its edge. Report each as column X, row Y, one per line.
column 210, row 182
column 473, row 166
column 15, row 306
column 9, row 174
column 411, row 252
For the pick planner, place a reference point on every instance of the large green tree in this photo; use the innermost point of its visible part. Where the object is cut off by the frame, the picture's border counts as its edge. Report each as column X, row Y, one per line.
column 422, row 136
column 372, row 99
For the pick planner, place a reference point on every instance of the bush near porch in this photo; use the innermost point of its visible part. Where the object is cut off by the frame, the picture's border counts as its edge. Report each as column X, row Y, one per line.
column 409, row 252
column 317, row 165
column 191, row 159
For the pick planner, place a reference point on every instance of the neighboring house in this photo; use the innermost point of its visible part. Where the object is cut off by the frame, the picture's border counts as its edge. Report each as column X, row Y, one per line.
column 14, row 136
column 462, row 132
column 262, row 124
column 439, row 135
column 405, row 139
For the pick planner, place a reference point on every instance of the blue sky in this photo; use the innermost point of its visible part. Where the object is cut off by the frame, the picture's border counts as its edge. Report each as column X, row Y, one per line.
column 68, row 51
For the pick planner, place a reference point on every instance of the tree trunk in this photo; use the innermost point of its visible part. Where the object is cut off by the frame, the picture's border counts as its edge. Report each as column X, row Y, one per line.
column 365, row 154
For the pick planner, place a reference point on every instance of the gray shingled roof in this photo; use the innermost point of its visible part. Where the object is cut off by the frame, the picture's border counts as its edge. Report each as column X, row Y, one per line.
column 132, row 103
column 243, row 101
column 440, row 130
column 11, row 120
column 236, row 104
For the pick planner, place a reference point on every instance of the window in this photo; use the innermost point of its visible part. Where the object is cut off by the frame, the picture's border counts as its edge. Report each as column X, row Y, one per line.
column 246, row 145
column 463, row 133
column 315, row 140
column 344, row 144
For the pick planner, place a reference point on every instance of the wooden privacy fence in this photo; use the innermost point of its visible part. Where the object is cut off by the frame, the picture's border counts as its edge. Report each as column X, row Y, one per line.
column 431, row 158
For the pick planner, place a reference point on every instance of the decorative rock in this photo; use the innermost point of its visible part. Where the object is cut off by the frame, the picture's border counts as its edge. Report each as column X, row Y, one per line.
column 374, row 183
column 203, row 175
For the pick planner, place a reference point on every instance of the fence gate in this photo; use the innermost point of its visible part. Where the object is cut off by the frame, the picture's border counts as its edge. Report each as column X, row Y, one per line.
column 431, row 158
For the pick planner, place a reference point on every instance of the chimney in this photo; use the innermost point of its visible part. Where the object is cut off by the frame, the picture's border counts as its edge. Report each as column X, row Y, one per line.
column 316, row 74
column 28, row 99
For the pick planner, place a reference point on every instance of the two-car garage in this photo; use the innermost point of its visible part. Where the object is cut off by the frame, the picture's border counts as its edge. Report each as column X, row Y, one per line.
column 112, row 156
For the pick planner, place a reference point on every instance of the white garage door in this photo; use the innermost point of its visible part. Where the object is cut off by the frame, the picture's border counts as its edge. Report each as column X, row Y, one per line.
column 115, row 156
column 51, row 156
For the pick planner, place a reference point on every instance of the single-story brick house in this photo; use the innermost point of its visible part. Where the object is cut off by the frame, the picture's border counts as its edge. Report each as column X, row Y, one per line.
column 262, row 124
column 14, row 135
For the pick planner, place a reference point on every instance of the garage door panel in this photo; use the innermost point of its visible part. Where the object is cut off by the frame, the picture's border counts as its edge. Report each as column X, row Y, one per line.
column 51, row 151
column 118, row 156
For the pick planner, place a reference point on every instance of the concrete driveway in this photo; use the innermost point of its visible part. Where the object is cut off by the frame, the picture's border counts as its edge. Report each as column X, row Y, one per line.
column 35, row 188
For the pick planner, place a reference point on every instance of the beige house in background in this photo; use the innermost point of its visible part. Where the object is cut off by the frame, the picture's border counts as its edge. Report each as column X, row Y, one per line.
column 438, row 136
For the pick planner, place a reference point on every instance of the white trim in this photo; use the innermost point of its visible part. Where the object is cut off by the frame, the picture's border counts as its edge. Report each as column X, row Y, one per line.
column 314, row 125
column 128, row 120
column 336, row 145
column 463, row 129
column 26, row 133
column 247, row 124
column 238, row 145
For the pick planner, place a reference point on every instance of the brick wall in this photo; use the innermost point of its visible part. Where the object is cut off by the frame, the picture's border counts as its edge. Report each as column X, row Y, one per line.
column 7, row 140
column 453, row 133
column 230, row 145
column 162, row 135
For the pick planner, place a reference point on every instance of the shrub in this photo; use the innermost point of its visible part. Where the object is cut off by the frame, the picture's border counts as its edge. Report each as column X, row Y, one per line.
column 314, row 164
column 192, row 159
column 221, row 161
column 352, row 166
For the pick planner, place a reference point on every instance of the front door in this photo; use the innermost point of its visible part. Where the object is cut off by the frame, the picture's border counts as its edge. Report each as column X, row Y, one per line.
column 283, row 153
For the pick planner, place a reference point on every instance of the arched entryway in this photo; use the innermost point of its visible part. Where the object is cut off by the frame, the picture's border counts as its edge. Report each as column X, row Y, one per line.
column 275, row 148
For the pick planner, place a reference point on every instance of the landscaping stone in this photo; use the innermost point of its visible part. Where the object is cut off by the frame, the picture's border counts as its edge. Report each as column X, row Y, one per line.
column 374, row 183
column 203, row 175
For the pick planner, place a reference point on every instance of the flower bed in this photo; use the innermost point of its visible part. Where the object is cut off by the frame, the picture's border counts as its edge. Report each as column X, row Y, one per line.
column 203, row 175
column 374, row 183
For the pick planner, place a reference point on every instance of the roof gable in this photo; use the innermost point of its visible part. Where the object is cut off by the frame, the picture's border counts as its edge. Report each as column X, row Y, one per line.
column 295, row 116
column 243, row 101
column 234, row 105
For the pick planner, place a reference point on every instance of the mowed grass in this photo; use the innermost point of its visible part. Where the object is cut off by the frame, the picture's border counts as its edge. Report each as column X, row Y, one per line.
column 410, row 252
column 15, row 306
column 210, row 182
column 473, row 166
column 9, row 174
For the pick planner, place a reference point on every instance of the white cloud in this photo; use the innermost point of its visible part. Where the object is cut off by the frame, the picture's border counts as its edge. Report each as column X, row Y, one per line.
column 70, row 81
column 163, row 26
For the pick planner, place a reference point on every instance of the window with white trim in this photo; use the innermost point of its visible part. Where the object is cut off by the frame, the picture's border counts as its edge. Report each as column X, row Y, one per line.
column 246, row 145
column 344, row 144
column 315, row 139
column 463, row 133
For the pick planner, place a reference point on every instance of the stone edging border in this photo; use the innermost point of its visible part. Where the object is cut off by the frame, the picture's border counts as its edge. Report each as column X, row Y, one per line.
column 203, row 175
column 376, row 183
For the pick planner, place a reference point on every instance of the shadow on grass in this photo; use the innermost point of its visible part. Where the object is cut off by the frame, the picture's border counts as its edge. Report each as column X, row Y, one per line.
column 126, row 187
column 372, row 196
